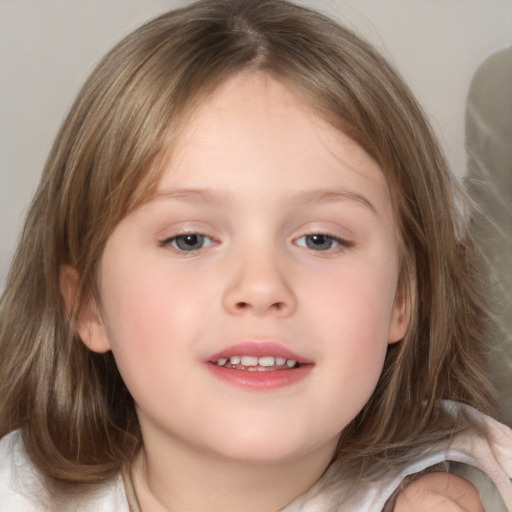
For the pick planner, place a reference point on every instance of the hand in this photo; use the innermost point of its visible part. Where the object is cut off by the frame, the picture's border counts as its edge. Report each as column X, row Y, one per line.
column 439, row 492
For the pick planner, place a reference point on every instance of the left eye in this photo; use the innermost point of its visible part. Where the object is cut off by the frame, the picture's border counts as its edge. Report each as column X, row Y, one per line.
column 188, row 242
column 321, row 242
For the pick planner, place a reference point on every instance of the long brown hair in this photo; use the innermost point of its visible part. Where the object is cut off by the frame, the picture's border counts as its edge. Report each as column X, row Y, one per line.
column 77, row 418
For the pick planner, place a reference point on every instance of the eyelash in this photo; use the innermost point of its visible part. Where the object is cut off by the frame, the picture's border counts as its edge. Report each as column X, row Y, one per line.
column 321, row 239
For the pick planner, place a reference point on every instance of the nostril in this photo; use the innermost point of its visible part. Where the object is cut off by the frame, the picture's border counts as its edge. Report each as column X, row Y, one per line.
column 276, row 306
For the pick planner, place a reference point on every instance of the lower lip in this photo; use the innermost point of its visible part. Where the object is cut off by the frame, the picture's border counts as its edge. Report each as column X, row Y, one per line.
column 260, row 380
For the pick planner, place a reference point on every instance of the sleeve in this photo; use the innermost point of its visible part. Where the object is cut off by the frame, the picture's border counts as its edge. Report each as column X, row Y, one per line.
column 19, row 484
column 483, row 457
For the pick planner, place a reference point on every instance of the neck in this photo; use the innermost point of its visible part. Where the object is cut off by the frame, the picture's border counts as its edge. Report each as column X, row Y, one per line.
column 178, row 478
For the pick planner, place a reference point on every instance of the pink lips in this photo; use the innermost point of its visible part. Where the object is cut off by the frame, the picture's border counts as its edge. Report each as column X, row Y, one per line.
column 259, row 380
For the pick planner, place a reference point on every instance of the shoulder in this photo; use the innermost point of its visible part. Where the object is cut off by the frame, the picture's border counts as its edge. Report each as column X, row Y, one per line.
column 18, row 478
column 482, row 455
column 22, row 488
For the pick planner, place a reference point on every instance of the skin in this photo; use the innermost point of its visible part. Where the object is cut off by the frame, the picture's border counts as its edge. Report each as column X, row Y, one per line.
column 439, row 492
column 250, row 175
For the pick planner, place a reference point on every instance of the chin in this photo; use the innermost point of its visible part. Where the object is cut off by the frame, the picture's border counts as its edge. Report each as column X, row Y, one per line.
column 267, row 447
column 261, row 455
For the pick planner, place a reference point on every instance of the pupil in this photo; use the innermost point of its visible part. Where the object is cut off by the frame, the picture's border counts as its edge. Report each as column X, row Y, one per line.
column 319, row 242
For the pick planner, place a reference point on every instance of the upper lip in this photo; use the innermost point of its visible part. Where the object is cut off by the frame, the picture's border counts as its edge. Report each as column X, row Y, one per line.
column 259, row 349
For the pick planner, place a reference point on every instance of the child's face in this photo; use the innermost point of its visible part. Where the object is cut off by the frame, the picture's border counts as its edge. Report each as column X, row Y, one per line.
column 272, row 236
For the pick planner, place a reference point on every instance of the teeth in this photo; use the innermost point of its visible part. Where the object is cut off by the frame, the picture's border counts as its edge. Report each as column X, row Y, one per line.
column 253, row 363
column 249, row 361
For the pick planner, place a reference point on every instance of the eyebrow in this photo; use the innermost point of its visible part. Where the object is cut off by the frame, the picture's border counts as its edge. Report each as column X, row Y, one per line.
column 302, row 197
column 307, row 197
column 196, row 195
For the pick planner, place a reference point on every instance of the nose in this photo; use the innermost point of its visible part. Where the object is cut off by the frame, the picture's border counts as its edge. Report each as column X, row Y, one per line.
column 258, row 285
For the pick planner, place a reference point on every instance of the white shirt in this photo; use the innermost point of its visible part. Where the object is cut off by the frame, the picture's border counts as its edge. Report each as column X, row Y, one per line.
column 21, row 488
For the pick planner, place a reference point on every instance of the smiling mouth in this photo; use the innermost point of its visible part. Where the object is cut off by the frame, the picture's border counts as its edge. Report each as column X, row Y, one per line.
column 259, row 366
column 256, row 364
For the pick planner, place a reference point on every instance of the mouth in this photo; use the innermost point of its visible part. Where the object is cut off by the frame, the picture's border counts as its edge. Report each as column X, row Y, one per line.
column 259, row 366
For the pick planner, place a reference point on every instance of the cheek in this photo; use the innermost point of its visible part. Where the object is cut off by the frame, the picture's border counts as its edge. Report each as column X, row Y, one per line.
column 355, row 317
column 150, row 304
column 359, row 349
column 359, row 305
column 147, row 316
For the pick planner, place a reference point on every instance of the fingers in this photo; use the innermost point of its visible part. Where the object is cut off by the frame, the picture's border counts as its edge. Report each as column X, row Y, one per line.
column 439, row 492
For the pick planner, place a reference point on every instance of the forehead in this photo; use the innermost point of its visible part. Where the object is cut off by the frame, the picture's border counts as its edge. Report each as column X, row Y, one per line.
column 254, row 129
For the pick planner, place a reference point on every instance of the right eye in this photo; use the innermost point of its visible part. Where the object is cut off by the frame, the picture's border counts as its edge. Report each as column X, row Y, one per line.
column 188, row 242
column 323, row 242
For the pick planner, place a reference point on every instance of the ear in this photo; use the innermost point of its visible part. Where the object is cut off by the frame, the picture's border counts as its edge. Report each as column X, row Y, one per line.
column 400, row 316
column 89, row 324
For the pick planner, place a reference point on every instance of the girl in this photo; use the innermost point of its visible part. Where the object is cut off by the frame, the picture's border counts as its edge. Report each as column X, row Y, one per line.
column 243, row 284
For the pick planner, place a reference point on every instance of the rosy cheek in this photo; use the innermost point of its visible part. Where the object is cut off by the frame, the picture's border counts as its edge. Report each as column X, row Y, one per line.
column 359, row 310
column 130, row 314
column 148, row 316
